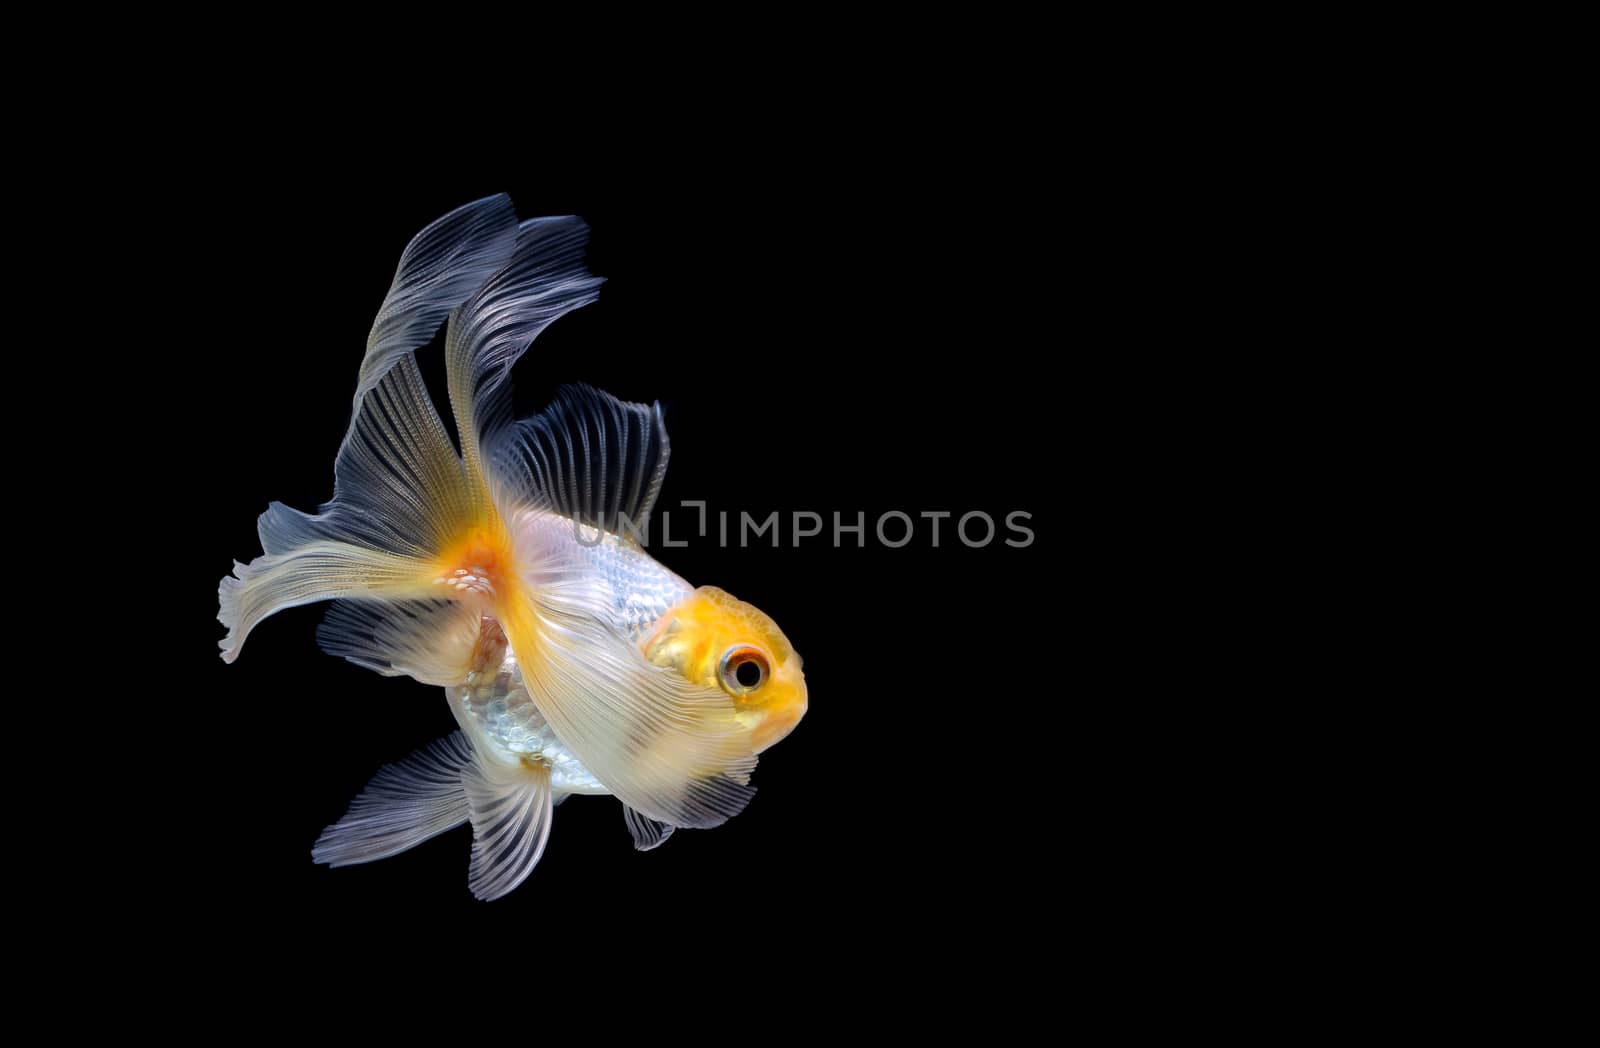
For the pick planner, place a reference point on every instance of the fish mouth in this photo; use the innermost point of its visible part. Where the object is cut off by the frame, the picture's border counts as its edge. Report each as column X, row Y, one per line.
column 775, row 726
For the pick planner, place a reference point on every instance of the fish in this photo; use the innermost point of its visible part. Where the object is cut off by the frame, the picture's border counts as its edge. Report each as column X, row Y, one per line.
column 508, row 566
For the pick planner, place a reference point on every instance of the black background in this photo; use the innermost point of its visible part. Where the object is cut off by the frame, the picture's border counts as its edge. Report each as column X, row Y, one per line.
column 849, row 341
column 1097, row 296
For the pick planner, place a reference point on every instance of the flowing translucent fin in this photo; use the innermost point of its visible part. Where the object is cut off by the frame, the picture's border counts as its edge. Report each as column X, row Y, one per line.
column 401, row 498
column 442, row 265
column 510, row 812
column 647, row 832
column 670, row 748
column 398, row 485
column 405, row 804
column 588, row 456
column 316, row 571
column 401, row 493
column 545, row 279
column 433, row 641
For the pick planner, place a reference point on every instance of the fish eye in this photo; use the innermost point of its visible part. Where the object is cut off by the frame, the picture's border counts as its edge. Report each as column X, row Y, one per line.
column 743, row 669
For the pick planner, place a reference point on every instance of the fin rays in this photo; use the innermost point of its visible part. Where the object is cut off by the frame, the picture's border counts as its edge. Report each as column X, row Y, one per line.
column 440, row 267
column 510, row 813
column 405, row 804
column 401, row 493
column 437, row 789
column 407, row 504
column 647, row 833
column 588, row 456
column 544, row 280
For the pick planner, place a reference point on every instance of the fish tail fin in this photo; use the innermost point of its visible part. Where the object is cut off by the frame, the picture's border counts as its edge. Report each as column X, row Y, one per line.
column 544, row 280
column 407, row 522
column 405, row 804
column 413, row 520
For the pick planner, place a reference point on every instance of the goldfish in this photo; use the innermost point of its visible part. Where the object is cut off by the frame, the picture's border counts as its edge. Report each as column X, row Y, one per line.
column 507, row 566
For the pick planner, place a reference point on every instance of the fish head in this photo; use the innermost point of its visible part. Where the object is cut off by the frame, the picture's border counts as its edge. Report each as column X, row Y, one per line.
column 716, row 640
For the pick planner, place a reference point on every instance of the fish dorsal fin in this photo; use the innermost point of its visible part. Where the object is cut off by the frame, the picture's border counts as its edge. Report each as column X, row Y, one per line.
column 405, row 804
column 647, row 833
column 510, row 812
column 590, row 457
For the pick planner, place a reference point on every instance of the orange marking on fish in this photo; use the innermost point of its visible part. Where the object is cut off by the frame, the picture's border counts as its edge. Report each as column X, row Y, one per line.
column 480, row 564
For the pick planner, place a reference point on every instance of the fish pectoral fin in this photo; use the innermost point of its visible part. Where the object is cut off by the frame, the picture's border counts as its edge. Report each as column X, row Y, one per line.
column 405, row 804
column 510, row 812
column 647, row 833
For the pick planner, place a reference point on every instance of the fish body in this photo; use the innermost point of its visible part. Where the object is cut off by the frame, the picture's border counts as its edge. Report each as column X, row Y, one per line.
column 509, row 571
column 504, row 726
